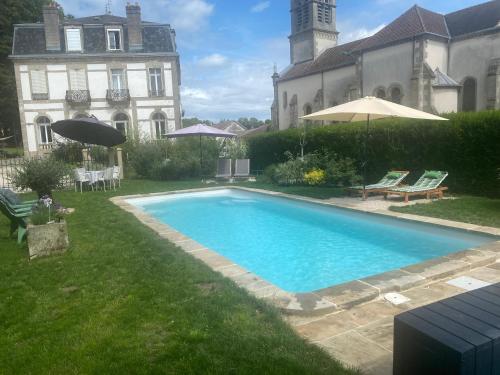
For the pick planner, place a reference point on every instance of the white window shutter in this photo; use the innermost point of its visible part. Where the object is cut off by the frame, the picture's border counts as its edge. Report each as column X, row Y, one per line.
column 77, row 79
column 73, row 40
column 38, row 82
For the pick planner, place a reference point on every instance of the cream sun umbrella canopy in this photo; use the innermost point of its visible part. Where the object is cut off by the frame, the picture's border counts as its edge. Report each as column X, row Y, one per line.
column 366, row 109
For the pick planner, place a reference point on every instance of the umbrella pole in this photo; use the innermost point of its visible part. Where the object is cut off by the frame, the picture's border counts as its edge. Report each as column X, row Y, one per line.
column 365, row 156
column 201, row 160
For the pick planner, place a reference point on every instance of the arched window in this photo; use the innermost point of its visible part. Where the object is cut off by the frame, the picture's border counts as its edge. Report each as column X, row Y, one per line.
column 120, row 122
column 396, row 95
column 469, row 95
column 380, row 93
column 45, row 131
column 160, row 125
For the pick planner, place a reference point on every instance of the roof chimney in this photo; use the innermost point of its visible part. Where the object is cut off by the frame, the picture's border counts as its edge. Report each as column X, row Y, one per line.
column 134, row 27
column 51, row 23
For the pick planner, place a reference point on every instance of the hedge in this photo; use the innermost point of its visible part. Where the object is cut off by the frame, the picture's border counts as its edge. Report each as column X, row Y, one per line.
column 467, row 146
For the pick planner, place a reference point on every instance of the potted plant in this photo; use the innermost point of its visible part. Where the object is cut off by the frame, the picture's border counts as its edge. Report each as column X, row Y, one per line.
column 47, row 231
column 40, row 175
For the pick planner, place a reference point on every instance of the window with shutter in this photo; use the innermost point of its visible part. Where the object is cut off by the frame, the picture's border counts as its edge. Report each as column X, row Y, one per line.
column 39, row 84
column 77, row 79
column 73, row 40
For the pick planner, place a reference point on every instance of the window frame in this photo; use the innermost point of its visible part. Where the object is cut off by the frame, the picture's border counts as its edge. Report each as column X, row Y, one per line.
column 120, row 38
column 160, row 135
column 80, row 34
column 47, row 131
column 159, row 91
column 124, row 122
column 123, row 81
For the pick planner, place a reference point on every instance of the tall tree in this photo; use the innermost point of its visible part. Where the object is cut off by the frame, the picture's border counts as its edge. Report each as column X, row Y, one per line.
column 12, row 12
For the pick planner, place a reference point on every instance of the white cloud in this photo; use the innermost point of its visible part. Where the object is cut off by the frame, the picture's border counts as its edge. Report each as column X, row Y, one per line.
column 260, row 7
column 184, row 15
column 213, row 60
column 188, row 15
column 195, row 94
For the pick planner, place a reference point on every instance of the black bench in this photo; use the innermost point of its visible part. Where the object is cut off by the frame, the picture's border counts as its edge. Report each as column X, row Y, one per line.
column 455, row 336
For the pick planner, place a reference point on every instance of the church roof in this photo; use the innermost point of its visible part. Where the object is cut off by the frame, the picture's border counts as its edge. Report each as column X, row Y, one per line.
column 474, row 19
column 332, row 58
column 414, row 22
column 443, row 80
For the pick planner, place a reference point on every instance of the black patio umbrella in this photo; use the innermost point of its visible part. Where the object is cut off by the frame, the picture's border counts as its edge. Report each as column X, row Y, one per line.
column 89, row 130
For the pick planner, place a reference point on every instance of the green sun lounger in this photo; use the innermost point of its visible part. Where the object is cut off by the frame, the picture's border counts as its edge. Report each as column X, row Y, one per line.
column 390, row 180
column 17, row 217
column 429, row 185
column 14, row 201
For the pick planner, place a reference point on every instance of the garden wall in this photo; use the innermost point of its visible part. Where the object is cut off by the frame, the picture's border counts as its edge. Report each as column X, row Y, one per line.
column 467, row 146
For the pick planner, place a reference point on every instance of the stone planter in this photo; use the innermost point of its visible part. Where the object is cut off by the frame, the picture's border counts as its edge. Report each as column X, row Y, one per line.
column 48, row 239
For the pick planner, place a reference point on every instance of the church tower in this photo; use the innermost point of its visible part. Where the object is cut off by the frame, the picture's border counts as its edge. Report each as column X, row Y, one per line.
column 313, row 29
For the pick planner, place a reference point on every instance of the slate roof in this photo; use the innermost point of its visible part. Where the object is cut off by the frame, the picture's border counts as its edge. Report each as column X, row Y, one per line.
column 29, row 39
column 474, row 19
column 414, row 22
column 443, row 80
column 332, row 58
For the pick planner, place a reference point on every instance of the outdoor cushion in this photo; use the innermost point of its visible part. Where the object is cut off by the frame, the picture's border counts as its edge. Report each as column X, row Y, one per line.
column 393, row 175
column 432, row 174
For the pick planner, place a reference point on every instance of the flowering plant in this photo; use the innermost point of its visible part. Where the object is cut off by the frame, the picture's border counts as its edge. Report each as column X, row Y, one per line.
column 315, row 177
column 43, row 211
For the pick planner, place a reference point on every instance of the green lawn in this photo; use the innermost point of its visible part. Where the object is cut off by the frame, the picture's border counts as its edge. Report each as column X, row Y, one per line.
column 475, row 210
column 124, row 301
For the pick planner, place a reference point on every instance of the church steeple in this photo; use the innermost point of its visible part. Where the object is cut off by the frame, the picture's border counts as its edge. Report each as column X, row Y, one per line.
column 313, row 28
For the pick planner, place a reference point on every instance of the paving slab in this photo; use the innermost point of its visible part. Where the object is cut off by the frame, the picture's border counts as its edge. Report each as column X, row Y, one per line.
column 349, row 294
column 355, row 350
column 476, row 258
column 438, row 268
column 373, row 311
column 327, row 327
column 381, row 332
column 396, row 280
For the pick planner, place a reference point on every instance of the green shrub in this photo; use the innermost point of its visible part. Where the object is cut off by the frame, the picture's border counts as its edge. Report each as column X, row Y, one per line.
column 342, row 172
column 173, row 159
column 467, row 147
column 40, row 175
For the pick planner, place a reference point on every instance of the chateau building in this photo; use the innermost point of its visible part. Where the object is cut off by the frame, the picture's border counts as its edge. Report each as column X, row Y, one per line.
column 433, row 62
column 122, row 70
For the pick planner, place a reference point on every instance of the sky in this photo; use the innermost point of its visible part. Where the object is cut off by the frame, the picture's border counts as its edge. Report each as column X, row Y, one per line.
column 228, row 47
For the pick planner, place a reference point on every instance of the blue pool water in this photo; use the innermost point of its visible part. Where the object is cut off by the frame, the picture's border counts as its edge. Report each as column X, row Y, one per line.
column 301, row 246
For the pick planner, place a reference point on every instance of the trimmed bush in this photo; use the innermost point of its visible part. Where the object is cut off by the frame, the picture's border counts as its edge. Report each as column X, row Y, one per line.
column 467, row 146
column 40, row 175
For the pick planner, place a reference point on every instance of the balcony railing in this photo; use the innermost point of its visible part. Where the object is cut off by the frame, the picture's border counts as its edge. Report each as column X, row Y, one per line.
column 156, row 93
column 78, row 97
column 40, row 96
column 118, row 97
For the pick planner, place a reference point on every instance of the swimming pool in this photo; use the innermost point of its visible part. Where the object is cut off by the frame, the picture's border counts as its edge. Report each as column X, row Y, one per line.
column 301, row 246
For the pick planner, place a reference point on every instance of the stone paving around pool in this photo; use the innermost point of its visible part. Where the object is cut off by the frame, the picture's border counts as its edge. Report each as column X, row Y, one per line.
column 352, row 321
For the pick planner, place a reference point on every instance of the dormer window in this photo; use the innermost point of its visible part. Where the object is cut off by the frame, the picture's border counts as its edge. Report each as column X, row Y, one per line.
column 73, row 40
column 114, row 39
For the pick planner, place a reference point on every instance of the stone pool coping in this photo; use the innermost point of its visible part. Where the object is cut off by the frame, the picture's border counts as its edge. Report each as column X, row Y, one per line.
column 338, row 297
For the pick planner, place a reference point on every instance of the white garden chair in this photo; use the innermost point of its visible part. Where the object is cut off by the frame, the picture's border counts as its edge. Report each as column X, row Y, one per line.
column 81, row 178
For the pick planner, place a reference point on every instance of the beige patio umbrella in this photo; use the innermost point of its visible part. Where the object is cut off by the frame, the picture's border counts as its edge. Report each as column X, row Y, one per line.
column 367, row 109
